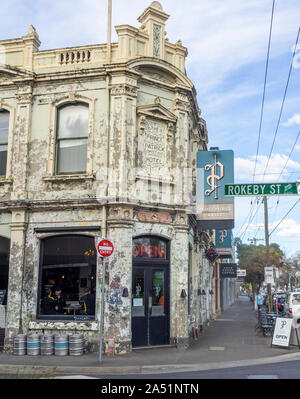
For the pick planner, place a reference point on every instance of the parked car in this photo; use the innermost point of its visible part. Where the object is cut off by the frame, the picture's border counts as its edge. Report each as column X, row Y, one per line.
column 293, row 303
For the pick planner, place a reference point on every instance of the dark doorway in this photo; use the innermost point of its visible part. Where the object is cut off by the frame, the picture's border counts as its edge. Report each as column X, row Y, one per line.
column 4, row 267
column 150, row 292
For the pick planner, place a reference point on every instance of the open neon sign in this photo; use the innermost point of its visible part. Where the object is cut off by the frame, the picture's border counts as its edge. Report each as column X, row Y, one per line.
column 149, row 248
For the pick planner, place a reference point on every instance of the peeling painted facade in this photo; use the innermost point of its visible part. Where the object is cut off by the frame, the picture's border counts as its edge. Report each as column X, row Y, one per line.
column 144, row 129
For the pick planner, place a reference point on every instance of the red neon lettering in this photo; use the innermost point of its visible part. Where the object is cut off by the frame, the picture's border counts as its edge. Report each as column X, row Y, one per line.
column 151, row 251
column 160, row 252
column 138, row 250
column 143, row 250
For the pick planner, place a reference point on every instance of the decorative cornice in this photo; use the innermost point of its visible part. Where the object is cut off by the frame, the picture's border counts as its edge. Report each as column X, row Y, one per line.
column 124, row 89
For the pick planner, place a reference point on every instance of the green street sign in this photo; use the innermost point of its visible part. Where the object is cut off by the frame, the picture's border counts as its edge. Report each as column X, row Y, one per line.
column 260, row 189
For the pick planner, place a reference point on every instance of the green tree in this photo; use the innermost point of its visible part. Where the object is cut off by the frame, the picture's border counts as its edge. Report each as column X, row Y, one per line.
column 253, row 259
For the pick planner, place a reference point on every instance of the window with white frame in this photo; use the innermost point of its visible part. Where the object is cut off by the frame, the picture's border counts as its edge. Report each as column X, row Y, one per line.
column 72, row 138
column 4, row 126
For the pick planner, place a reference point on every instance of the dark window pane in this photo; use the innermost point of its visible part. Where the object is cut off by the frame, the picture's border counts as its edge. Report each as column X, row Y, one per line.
column 138, row 293
column 73, row 121
column 69, row 262
column 72, row 156
column 3, row 159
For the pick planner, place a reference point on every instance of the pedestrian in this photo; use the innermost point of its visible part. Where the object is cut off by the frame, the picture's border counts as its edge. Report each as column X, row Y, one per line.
column 89, row 301
column 48, row 303
column 59, row 301
column 259, row 300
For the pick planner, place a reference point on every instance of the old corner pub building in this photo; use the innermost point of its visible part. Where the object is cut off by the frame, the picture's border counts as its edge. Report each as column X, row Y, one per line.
column 75, row 124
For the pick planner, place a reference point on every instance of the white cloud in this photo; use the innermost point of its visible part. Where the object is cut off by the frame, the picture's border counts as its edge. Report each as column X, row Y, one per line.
column 294, row 120
column 244, row 167
column 287, row 228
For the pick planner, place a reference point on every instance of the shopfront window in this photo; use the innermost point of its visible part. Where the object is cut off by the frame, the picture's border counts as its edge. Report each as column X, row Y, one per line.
column 68, row 277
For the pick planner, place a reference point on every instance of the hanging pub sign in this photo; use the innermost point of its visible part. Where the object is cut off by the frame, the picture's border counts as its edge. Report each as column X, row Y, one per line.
column 214, row 170
column 149, row 248
column 228, row 270
column 224, row 243
column 211, row 254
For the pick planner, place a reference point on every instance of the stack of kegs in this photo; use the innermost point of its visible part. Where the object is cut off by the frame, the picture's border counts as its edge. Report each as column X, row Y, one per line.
column 47, row 346
column 61, row 345
column 20, row 345
column 76, row 344
column 33, row 345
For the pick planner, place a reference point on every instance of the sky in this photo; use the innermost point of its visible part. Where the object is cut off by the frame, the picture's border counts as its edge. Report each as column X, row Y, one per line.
column 227, row 45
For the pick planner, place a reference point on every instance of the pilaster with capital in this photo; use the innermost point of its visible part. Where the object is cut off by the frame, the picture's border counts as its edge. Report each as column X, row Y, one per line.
column 15, row 283
column 179, row 280
column 123, row 129
column 119, row 272
column 21, row 136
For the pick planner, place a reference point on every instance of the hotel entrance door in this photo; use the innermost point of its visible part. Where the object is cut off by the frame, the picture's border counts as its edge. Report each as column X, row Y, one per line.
column 151, row 298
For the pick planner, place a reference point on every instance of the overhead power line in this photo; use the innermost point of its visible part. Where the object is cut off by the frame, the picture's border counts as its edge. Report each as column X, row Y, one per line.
column 264, row 90
column 285, row 216
column 283, row 100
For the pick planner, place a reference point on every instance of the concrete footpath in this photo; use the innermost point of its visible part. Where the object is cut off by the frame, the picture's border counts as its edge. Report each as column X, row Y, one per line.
column 229, row 341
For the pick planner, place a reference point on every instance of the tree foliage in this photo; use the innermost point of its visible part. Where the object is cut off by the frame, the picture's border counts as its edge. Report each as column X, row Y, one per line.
column 254, row 258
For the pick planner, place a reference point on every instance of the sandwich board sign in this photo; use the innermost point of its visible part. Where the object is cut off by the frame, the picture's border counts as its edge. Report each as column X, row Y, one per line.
column 282, row 332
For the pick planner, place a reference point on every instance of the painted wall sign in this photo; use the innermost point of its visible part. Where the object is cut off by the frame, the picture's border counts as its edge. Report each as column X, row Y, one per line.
column 214, row 170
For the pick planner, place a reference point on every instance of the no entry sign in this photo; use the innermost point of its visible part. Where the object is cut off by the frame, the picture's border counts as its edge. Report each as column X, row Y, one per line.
column 105, row 248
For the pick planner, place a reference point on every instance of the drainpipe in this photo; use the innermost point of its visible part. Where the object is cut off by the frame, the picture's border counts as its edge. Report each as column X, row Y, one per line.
column 107, row 117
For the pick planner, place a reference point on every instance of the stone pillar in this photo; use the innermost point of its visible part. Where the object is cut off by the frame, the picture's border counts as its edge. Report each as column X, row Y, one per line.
column 15, row 282
column 118, row 308
column 179, row 281
column 123, row 128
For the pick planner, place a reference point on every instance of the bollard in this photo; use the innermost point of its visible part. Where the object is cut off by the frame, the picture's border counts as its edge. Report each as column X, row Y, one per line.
column 61, row 345
column 76, row 344
column 47, row 345
column 33, row 345
column 20, row 345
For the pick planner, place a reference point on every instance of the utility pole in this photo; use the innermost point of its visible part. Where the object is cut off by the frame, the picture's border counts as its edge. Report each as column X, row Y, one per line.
column 267, row 250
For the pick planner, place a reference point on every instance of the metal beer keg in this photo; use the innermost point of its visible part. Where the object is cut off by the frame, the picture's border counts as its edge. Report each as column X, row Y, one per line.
column 76, row 344
column 47, row 345
column 33, row 345
column 61, row 345
column 20, row 345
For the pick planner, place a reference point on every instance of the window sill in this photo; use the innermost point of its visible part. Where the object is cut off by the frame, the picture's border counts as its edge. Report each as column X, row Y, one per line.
column 68, row 178
column 69, row 324
column 3, row 180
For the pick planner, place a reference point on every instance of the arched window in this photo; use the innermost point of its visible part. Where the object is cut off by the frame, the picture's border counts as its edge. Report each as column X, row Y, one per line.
column 68, row 263
column 72, row 138
column 4, row 125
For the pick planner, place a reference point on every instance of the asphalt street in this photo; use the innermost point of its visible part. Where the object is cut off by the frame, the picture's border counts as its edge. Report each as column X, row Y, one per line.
column 229, row 347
